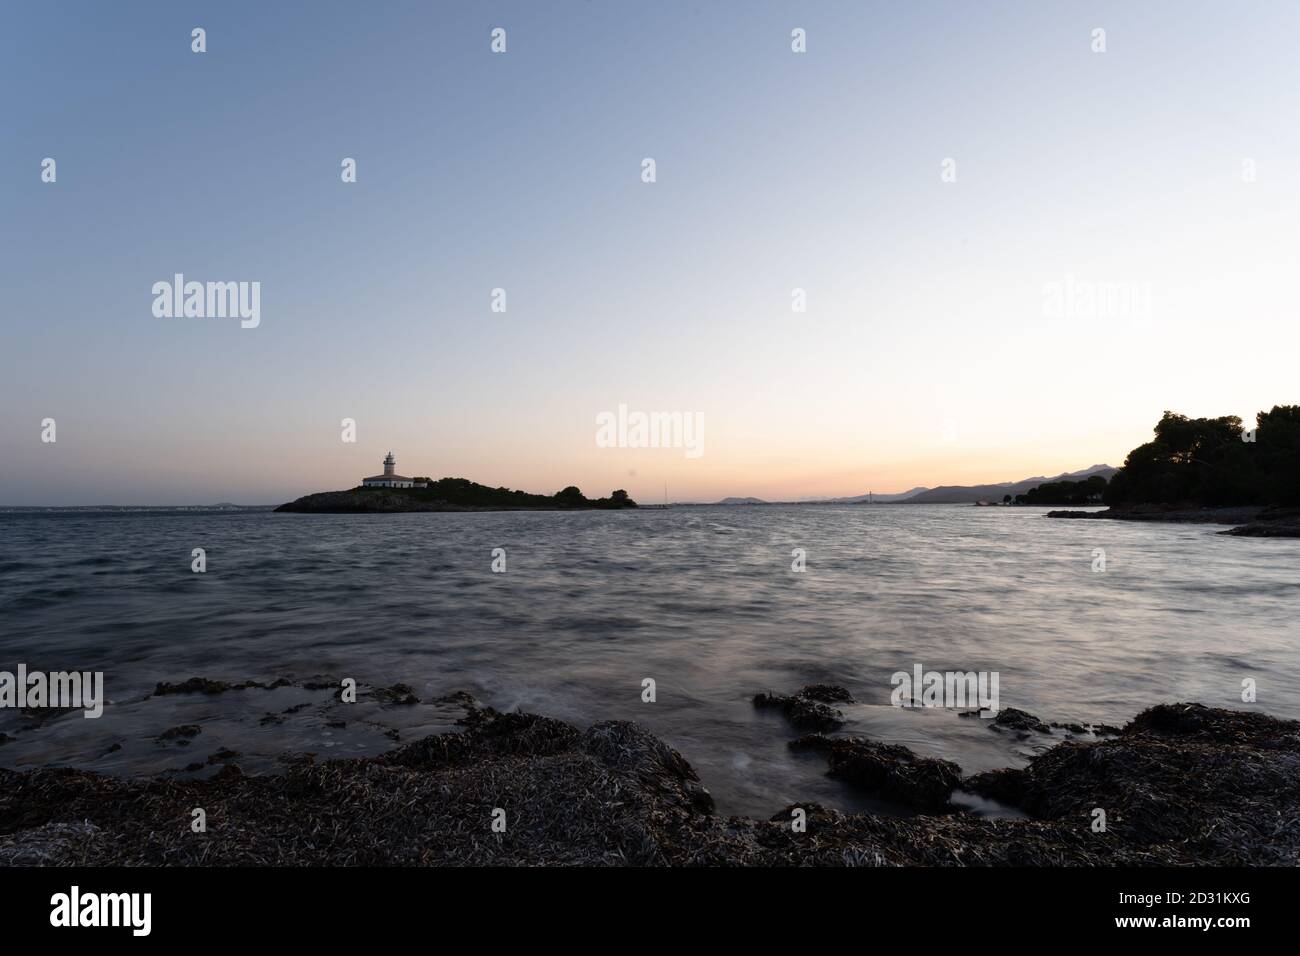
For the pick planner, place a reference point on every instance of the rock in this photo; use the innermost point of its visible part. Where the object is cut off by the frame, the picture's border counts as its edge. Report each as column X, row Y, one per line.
column 279, row 718
column 894, row 773
column 488, row 733
column 181, row 735
column 1171, row 513
column 626, row 748
column 1009, row 718
column 1071, row 727
column 816, row 817
column 38, row 716
column 1014, row 719
column 809, row 708
column 203, row 685
column 817, row 743
column 367, row 501
column 1192, row 780
column 1212, row 725
column 1253, row 521
column 459, row 698
column 397, row 694
column 826, row 693
column 1006, row 785
column 1266, row 529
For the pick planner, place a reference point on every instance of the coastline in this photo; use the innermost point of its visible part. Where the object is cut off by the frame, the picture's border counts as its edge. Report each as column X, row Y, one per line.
column 1250, row 521
column 1180, row 784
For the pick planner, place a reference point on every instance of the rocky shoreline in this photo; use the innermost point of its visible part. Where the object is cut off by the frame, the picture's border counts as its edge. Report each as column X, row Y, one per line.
column 1250, row 522
column 1180, row 784
column 374, row 501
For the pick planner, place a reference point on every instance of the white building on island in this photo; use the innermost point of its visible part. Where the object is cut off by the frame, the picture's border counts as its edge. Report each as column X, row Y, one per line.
column 390, row 478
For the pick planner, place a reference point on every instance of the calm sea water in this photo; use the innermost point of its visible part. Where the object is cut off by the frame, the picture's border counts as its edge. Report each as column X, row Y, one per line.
column 702, row 600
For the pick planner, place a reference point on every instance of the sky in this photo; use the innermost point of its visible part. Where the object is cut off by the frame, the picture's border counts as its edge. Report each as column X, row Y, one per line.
column 1015, row 251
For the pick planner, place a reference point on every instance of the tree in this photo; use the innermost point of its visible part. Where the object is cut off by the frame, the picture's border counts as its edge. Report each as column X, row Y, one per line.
column 570, row 497
column 1210, row 462
column 1277, row 447
column 1087, row 491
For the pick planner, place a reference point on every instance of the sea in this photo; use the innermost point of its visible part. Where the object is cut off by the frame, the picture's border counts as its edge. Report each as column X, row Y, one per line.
column 571, row 614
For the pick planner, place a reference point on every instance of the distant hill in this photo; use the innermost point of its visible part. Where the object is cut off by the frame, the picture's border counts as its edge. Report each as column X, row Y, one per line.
column 880, row 499
column 969, row 494
column 874, row 496
column 742, row 501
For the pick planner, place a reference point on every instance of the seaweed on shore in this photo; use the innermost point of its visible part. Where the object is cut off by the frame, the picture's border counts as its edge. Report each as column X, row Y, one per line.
column 809, row 707
column 204, row 685
column 890, row 771
column 1222, row 786
column 1182, row 784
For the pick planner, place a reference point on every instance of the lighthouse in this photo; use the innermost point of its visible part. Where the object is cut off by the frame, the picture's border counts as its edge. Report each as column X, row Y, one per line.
column 390, row 478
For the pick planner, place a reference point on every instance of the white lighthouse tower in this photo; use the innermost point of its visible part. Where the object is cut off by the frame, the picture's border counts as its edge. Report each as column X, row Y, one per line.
column 390, row 478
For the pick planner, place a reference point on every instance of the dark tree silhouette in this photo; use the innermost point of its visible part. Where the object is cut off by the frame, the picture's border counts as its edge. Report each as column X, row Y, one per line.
column 1214, row 462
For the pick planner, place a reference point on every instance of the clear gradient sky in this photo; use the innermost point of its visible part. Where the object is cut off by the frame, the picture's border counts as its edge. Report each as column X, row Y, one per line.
column 926, row 355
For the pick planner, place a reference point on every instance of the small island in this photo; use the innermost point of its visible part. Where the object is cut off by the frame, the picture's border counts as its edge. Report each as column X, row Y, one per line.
column 391, row 493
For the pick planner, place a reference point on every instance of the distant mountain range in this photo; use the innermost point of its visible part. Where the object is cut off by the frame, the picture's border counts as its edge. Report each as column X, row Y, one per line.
column 856, row 499
column 877, row 498
column 968, row 494
column 946, row 494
